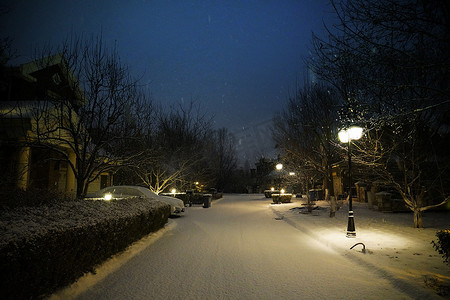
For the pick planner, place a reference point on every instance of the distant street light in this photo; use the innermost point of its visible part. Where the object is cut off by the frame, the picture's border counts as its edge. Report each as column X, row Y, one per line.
column 279, row 167
column 346, row 136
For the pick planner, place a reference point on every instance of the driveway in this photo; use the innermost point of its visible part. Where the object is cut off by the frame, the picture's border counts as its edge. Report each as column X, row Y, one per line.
column 237, row 249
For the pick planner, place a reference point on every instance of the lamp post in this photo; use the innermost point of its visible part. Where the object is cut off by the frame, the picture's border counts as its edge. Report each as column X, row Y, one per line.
column 279, row 167
column 346, row 136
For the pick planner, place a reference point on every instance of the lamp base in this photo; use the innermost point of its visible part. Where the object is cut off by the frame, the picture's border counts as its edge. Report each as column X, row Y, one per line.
column 351, row 232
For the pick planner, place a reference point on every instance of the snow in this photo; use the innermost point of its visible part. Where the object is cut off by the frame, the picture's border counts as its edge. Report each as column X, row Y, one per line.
column 243, row 247
column 393, row 247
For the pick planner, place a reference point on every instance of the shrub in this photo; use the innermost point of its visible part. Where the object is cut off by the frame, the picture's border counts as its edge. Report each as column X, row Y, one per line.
column 443, row 244
column 284, row 198
column 48, row 247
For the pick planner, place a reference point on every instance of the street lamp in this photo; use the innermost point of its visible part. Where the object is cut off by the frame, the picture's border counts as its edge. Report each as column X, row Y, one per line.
column 346, row 136
column 279, row 167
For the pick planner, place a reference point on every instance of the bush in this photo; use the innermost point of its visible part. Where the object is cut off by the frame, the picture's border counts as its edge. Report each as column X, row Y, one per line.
column 443, row 244
column 283, row 198
column 45, row 248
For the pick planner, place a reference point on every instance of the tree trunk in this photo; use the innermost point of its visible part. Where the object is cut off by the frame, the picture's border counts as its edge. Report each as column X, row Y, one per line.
column 417, row 218
column 80, row 188
column 332, row 206
column 329, row 191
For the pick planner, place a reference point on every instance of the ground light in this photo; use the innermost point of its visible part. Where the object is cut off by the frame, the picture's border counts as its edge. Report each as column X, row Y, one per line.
column 346, row 136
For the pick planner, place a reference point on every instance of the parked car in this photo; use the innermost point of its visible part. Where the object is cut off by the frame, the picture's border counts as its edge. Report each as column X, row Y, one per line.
column 129, row 191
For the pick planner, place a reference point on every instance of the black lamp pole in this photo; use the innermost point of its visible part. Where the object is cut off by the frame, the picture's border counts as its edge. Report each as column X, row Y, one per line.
column 279, row 167
column 351, row 232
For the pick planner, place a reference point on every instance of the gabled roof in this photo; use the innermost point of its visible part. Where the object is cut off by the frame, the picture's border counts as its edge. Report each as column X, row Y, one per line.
column 44, row 79
column 53, row 74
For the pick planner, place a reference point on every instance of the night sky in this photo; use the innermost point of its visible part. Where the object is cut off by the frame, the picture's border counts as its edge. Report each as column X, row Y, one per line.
column 238, row 59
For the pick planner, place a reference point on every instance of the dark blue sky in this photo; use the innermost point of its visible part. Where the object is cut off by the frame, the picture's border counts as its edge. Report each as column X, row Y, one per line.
column 238, row 59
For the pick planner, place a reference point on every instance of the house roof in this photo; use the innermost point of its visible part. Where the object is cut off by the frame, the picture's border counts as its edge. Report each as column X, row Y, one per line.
column 53, row 73
column 42, row 79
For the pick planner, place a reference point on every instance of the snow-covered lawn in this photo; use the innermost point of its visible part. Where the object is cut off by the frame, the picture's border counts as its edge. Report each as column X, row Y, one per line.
column 393, row 247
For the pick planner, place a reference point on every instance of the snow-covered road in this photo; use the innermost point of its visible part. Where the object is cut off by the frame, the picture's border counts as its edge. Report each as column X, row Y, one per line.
column 237, row 249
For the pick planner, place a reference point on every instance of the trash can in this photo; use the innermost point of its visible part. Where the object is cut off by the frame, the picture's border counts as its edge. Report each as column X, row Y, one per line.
column 207, row 201
column 315, row 194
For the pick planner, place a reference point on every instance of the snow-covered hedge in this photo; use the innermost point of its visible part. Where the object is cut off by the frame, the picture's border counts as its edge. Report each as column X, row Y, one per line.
column 48, row 247
column 284, row 198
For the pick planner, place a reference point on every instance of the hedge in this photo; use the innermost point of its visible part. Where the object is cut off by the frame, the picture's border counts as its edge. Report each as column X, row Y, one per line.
column 46, row 248
column 284, row 198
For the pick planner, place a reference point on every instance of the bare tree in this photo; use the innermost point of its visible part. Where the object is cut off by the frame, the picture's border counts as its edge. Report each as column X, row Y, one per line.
column 174, row 149
column 92, row 113
column 305, row 130
column 389, row 60
column 412, row 157
column 222, row 158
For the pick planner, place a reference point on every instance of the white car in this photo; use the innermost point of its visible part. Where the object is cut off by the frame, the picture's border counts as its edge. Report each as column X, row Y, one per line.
column 130, row 191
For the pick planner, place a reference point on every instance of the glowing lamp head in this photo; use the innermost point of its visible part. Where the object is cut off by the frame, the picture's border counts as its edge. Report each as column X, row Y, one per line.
column 282, row 191
column 108, row 197
column 352, row 133
column 272, row 189
column 279, row 166
column 174, row 191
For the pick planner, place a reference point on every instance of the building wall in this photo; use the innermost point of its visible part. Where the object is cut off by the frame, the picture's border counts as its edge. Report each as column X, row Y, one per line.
column 101, row 182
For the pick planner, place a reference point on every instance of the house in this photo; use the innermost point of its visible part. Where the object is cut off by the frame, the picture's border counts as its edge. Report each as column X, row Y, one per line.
column 27, row 93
